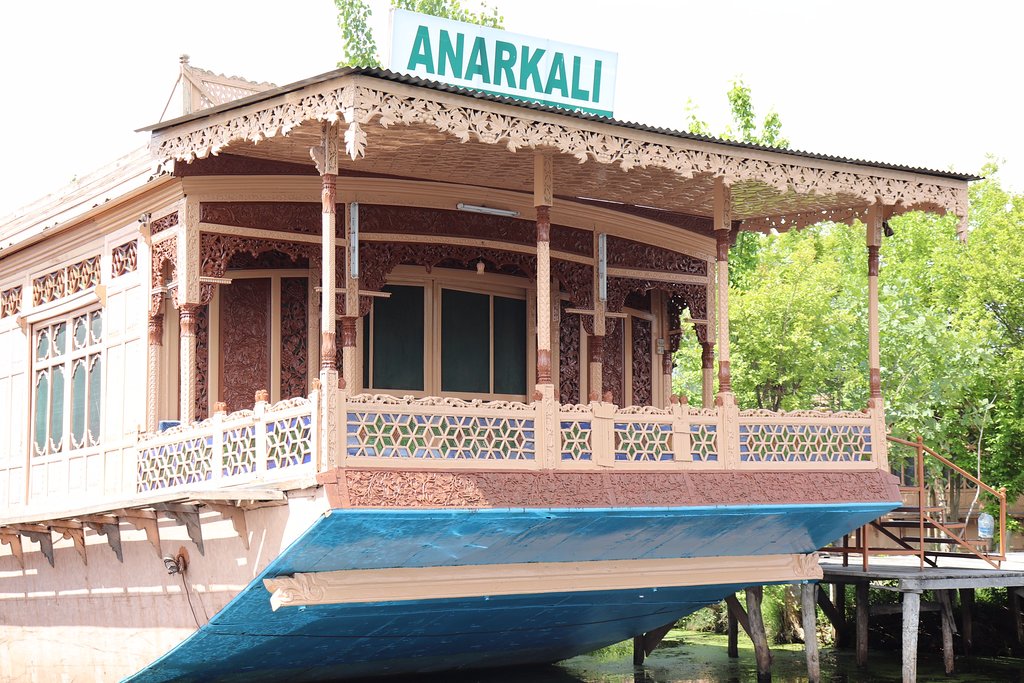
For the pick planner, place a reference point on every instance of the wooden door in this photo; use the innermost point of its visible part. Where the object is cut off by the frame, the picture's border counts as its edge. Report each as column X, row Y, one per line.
column 245, row 336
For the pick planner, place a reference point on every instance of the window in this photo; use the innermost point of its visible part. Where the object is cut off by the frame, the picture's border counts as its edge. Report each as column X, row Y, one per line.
column 448, row 339
column 67, row 384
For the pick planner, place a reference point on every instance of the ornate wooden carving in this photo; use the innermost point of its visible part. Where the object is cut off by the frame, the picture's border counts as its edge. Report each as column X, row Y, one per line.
column 692, row 296
column 300, row 217
column 202, row 361
column 699, row 224
column 642, row 364
column 234, row 164
column 10, row 301
column 440, row 222
column 245, row 340
column 577, row 279
column 378, row 259
column 156, row 329
column 164, row 253
column 569, row 356
column 294, row 336
column 629, row 254
column 66, row 281
column 163, row 223
column 124, row 259
column 612, row 372
column 216, row 252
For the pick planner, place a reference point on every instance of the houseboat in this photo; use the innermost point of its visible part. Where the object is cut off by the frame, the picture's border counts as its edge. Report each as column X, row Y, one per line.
column 369, row 374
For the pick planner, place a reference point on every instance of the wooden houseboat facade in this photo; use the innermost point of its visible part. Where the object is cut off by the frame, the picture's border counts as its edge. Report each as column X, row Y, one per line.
column 419, row 346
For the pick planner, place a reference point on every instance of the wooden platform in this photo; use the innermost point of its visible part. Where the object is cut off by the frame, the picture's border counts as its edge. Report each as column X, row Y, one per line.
column 965, row 573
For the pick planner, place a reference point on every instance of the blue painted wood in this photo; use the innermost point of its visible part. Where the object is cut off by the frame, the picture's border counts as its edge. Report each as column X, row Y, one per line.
column 249, row 641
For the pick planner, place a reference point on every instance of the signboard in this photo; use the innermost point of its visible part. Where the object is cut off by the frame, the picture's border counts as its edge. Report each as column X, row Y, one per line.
column 503, row 63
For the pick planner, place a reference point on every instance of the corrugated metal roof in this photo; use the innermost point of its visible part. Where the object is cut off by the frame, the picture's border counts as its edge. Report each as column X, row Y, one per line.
column 405, row 79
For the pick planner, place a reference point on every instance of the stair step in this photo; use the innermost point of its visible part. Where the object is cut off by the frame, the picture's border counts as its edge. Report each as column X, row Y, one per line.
column 929, row 539
column 914, row 524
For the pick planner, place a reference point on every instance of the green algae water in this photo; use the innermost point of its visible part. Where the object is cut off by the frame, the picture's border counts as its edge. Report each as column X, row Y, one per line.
column 691, row 657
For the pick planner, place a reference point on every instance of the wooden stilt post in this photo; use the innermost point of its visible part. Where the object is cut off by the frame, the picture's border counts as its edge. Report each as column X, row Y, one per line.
column 638, row 650
column 758, row 635
column 809, row 613
column 842, row 631
column 862, row 623
column 832, row 613
column 967, row 619
column 733, row 629
column 1018, row 622
column 911, row 613
column 948, row 626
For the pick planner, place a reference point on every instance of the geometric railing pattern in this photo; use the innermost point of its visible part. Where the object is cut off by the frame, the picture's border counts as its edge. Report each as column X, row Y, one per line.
column 439, row 429
column 643, row 441
column 245, row 446
column 576, row 440
column 703, row 442
column 787, row 442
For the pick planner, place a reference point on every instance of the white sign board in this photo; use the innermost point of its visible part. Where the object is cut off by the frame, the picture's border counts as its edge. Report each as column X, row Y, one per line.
column 503, row 63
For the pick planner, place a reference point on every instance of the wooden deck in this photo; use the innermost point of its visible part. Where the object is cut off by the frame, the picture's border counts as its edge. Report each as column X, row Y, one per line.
column 960, row 573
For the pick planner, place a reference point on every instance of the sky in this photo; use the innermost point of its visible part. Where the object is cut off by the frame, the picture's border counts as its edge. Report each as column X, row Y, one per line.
column 933, row 84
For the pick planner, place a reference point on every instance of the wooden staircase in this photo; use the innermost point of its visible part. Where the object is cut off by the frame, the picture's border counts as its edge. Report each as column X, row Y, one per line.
column 919, row 527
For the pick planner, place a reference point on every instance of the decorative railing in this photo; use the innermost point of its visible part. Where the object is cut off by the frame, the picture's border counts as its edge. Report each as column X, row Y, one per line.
column 381, row 430
column 268, row 443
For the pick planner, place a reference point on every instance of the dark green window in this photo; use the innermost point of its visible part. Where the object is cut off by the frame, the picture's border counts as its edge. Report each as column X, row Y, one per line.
column 483, row 343
column 393, row 340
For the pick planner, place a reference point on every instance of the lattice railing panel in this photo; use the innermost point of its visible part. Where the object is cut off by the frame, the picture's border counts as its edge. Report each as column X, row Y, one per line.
column 576, row 440
column 290, row 442
column 239, row 451
column 782, row 442
column 643, row 441
column 427, row 430
column 704, row 442
column 179, row 463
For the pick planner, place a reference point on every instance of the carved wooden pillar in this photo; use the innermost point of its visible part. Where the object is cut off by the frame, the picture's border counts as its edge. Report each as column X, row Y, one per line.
column 188, row 297
column 326, row 159
column 156, row 342
column 350, row 358
column 707, row 374
column 874, row 241
column 723, row 227
column 542, row 200
column 595, row 341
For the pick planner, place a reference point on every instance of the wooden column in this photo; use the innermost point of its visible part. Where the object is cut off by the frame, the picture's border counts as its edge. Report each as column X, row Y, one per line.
column 911, row 615
column 188, row 296
column 543, row 198
column 707, row 375
column 732, row 629
column 325, row 156
column 967, row 619
column 665, row 334
column 809, row 614
column 156, row 343
column 595, row 341
column 863, row 610
column 874, row 242
column 758, row 634
column 948, row 628
column 723, row 228
column 350, row 318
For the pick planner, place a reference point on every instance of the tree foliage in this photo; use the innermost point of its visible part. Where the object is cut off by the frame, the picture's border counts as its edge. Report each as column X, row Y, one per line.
column 360, row 46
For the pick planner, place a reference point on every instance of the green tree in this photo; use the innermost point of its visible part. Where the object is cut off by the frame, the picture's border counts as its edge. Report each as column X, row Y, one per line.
column 361, row 47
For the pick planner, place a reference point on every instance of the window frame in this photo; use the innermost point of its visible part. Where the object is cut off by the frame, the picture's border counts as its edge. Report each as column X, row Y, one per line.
column 92, row 351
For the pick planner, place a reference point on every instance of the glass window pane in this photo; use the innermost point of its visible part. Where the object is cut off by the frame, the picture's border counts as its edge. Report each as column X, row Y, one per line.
column 509, row 346
column 80, row 332
column 41, row 410
column 78, row 403
column 57, row 409
column 60, row 333
column 95, row 395
column 398, row 339
column 43, row 345
column 465, row 341
column 97, row 326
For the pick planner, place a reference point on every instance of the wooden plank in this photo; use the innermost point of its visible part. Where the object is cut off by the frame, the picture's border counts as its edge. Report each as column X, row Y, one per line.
column 911, row 605
column 883, row 610
column 809, row 614
column 732, row 629
column 862, row 606
column 738, row 613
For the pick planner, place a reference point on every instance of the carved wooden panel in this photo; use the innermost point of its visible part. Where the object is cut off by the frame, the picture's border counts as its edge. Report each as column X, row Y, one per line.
column 202, row 362
column 641, row 362
column 234, row 164
column 163, row 223
column 440, row 222
column 301, row 217
column 66, row 281
column 10, row 302
column 629, row 254
column 294, row 337
column 245, row 341
column 612, row 371
column 124, row 259
column 569, row 365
